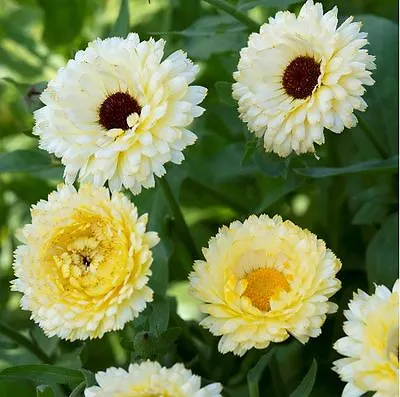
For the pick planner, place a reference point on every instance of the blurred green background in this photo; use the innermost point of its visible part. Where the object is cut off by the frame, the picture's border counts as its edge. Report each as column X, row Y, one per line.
column 353, row 204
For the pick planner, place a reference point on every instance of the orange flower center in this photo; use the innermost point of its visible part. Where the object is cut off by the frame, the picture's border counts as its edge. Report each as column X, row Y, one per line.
column 262, row 285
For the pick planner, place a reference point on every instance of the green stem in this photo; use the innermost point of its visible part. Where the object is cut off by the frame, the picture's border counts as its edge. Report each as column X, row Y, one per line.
column 224, row 199
column 277, row 381
column 253, row 389
column 179, row 219
column 375, row 142
column 231, row 10
column 25, row 342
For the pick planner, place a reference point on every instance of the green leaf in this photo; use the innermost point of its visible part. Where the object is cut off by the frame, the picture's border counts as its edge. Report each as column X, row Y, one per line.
column 271, row 164
column 254, row 375
column 245, row 5
column 369, row 213
column 44, row 391
column 256, row 372
column 25, row 161
column 231, row 10
column 307, row 384
column 159, row 317
column 77, row 392
column 63, row 21
column 121, row 26
column 89, row 376
column 17, row 389
column 383, row 253
column 43, row 373
column 390, row 165
column 383, row 98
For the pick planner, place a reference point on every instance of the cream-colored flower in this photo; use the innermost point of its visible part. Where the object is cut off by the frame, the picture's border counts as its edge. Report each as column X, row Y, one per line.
column 262, row 280
column 371, row 346
column 84, row 264
column 300, row 75
column 118, row 112
column 151, row 379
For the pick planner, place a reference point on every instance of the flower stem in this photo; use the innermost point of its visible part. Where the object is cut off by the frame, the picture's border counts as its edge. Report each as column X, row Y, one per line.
column 25, row 342
column 375, row 142
column 179, row 219
column 231, row 10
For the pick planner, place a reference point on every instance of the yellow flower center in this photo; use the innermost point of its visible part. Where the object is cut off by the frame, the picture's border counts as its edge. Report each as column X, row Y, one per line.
column 262, row 285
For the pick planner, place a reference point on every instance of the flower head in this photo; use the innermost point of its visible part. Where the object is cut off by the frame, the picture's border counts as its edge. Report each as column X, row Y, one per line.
column 118, row 112
column 262, row 280
column 151, row 379
column 371, row 344
column 84, row 264
column 300, row 75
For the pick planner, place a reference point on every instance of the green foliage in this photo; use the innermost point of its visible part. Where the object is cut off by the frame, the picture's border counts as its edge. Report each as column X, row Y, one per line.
column 349, row 197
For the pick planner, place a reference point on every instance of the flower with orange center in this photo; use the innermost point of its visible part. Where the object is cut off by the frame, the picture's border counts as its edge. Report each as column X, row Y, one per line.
column 263, row 280
column 85, row 262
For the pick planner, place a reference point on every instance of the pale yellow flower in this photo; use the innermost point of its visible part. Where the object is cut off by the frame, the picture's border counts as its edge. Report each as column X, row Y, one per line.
column 371, row 344
column 263, row 280
column 84, row 264
column 301, row 74
column 150, row 379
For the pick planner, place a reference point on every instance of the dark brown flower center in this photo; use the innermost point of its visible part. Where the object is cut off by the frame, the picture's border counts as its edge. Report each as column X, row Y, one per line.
column 301, row 77
column 116, row 108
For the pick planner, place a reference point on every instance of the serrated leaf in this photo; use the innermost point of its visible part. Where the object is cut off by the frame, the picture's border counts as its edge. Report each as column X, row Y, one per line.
column 307, row 384
column 43, row 374
column 121, row 26
column 388, row 165
column 383, row 253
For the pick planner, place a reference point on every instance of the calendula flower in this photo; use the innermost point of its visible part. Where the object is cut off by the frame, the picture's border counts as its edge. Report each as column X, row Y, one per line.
column 263, row 280
column 371, row 344
column 84, row 264
column 117, row 112
column 151, row 379
column 300, row 75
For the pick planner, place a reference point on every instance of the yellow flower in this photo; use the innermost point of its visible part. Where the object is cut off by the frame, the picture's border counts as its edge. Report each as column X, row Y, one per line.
column 371, row 346
column 150, row 379
column 262, row 280
column 85, row 262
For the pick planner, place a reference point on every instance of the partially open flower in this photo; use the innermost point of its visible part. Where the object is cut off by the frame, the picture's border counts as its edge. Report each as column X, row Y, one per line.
column 150, row 379
column 300, row 75
column 371, row 344
column 263, row 280
column 84, row 264
column 118, row 112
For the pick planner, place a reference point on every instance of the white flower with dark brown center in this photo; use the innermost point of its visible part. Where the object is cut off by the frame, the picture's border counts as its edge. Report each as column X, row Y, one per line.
column 118, row 112
column 300, row 75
